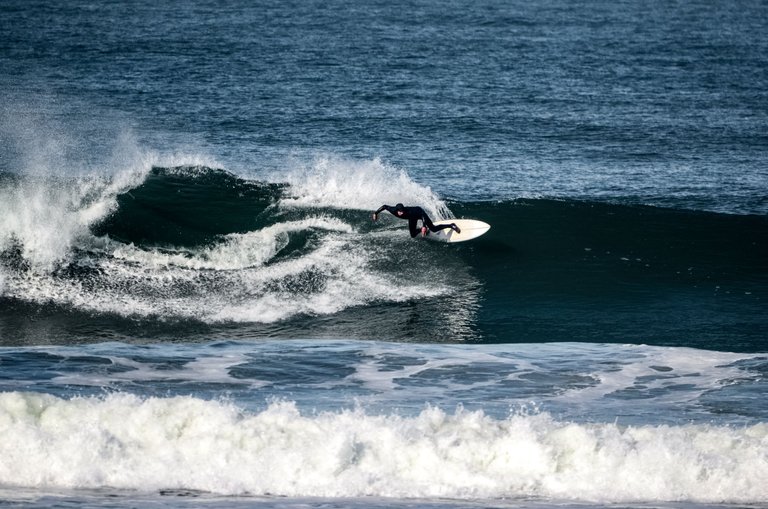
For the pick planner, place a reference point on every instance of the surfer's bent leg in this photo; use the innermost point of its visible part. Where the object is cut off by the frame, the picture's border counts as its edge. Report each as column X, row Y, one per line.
column 412, row 226
column 436, row 228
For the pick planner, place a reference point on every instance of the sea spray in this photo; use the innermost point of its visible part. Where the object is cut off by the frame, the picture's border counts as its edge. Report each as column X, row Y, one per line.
column 362, row 185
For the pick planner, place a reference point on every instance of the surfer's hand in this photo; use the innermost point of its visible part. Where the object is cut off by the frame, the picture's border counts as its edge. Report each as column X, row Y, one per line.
column 423, row 231
column 375, row 217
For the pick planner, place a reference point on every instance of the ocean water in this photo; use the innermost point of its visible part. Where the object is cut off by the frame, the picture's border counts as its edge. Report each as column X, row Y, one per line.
column 196, row 309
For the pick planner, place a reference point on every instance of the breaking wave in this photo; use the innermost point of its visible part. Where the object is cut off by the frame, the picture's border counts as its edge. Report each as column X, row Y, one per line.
column 124, row 441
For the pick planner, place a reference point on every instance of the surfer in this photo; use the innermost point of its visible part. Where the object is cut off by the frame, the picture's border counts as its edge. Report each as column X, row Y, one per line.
column 413, row 215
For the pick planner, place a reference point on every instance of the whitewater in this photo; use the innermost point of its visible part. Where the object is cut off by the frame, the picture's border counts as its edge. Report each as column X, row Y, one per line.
column 185, row 443
column 360, row 419
column 49, row 224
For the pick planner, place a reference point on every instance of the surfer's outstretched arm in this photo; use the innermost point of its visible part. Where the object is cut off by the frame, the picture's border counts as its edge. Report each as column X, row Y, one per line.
column 388, row 208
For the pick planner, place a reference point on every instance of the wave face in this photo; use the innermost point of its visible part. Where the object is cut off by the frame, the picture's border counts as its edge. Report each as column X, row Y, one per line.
column 227, row 254
column 188, row 207
column 610, row 272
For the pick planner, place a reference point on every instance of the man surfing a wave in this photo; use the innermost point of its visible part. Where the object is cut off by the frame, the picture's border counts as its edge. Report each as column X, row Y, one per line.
column 413, row 215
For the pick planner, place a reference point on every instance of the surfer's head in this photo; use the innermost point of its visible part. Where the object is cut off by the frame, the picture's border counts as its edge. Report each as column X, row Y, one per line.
column 400, row 209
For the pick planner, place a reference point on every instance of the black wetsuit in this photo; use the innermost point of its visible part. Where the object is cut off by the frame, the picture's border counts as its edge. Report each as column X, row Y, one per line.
column 414, row 214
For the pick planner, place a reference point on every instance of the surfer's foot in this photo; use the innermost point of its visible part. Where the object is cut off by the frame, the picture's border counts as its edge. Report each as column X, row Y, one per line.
column 455, row 228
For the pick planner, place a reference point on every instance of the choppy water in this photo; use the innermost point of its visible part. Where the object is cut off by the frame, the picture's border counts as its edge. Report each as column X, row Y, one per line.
column 196, row 309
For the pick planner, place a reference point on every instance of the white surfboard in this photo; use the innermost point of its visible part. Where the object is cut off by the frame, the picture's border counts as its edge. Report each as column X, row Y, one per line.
column 470, row 229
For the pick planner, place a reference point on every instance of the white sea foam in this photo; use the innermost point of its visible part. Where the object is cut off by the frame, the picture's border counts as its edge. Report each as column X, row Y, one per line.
column 333, row 276
column 236, row 251
column 124, row 441
column 660, row 371
column 568, row 377
column 48, row 211
column 203, row 370
column 44, row 218
column 364, row 185
column 347, row 282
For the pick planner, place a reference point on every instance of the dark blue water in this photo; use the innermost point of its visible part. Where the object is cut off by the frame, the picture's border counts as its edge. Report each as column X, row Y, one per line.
column 195, row 304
